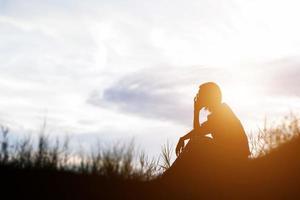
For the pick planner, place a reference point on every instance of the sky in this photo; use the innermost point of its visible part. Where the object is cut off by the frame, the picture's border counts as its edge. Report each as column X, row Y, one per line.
column 117, row 70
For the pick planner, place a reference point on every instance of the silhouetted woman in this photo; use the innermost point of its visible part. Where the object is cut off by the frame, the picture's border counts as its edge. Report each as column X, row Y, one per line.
column 228, row 143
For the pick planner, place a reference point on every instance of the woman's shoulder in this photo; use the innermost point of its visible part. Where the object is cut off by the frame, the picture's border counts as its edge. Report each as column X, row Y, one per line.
column 224, row 112
column 228, row 112
column 226, row 108
column 225, row 105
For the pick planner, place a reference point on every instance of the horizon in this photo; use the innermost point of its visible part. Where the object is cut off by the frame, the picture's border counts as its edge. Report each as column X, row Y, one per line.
column 119, row 70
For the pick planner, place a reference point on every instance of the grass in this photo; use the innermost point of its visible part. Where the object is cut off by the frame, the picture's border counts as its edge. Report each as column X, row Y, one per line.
column 120, row 167
column 120, row 161
column 272, row 136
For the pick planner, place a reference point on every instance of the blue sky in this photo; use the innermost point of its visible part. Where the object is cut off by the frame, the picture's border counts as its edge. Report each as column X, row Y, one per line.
column 130, row 69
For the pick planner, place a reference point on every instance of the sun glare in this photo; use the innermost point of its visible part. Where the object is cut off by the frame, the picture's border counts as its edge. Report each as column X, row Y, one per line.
column 241, row 95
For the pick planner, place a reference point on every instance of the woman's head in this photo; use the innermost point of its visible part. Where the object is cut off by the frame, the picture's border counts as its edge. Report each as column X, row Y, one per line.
column 210, row 95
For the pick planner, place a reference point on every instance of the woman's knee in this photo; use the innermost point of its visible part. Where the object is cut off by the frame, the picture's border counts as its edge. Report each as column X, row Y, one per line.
column 202, row 140
column 199, row 143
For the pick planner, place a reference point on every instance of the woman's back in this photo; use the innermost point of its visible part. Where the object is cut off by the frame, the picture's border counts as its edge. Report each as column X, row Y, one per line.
column 228, row 132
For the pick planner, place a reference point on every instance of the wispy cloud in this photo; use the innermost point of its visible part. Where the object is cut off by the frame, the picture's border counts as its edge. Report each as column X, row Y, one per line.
column 147, row 95
column 164, row 93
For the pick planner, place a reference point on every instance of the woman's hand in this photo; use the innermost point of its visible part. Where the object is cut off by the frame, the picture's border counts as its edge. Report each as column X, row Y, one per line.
column 180, row 146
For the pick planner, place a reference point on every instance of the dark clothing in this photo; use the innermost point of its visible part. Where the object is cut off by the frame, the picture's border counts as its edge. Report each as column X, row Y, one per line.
column 227, row 149
column 227, row 131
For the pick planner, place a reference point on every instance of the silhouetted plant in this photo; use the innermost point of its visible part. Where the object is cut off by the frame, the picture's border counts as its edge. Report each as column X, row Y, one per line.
column 120, row 161
column 65, row 151
column 148, row 167
column 166, row 154
column 4, row 145
column 271, row 137
column 24, row 155
column 41, row 157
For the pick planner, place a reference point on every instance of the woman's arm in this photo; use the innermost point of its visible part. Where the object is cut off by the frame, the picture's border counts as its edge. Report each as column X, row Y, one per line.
column 196, row 126
column 190, row 134
column 197, row 107
column 201, row 131
column 196, row 123
column 198, row 130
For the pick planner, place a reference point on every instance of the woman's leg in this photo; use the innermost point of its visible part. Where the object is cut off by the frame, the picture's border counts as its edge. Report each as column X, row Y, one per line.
column 191, row 157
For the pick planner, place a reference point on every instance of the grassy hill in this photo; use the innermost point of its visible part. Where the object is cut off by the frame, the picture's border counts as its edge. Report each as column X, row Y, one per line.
column 45, row 172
